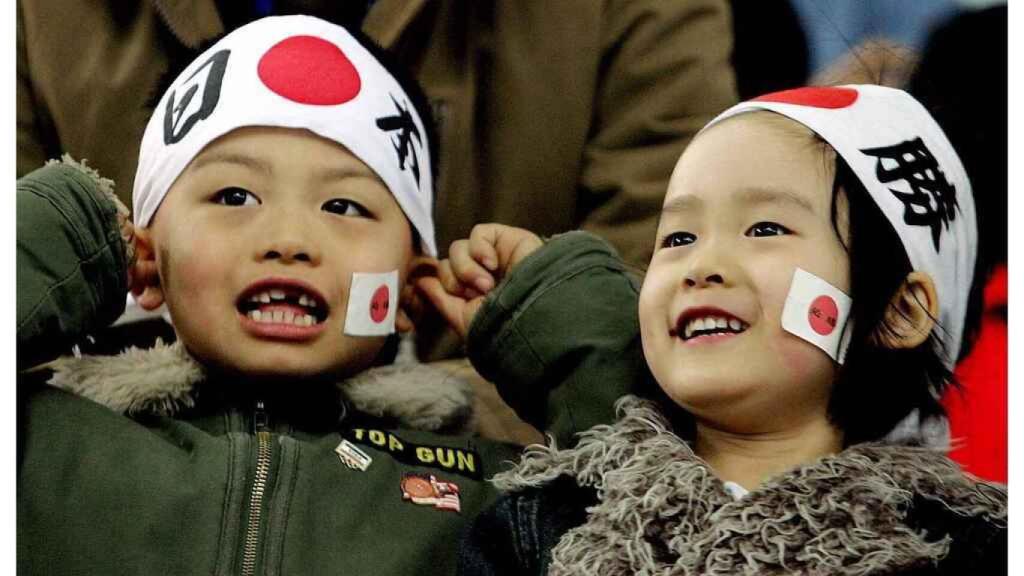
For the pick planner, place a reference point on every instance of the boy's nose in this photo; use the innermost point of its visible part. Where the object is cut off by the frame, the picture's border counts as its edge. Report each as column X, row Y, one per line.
column 703, row 279
column 288, row 240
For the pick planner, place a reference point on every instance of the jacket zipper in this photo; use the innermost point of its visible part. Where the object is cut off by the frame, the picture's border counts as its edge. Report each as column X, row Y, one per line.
column 259, row 484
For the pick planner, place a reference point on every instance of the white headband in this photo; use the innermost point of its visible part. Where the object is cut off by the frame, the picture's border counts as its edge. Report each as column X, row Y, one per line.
column 910, row 169
column 291, row 72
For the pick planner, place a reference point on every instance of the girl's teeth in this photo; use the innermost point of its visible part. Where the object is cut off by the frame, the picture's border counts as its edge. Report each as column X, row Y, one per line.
column 734, row 324
column 721, row 323
column 698, row 325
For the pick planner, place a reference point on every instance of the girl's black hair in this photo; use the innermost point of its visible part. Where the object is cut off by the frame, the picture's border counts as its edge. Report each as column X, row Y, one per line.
column 877, row 387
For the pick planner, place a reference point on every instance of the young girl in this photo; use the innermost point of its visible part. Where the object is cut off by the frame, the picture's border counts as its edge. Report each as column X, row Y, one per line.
column 801, row 314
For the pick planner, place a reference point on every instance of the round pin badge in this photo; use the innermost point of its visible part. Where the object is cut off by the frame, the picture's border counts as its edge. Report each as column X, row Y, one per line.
column 823, row 315
column 380, row 303
column 417, row 487
column 309, row 70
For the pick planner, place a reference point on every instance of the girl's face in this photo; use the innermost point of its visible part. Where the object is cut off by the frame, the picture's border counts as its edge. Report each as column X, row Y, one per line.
column 748, row 203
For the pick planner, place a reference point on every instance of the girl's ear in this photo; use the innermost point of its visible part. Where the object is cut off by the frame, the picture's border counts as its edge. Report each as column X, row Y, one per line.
column 911, row 314
column 145, row 283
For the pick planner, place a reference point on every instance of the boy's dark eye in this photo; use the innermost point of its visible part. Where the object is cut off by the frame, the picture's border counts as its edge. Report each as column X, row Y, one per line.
column 675, row 239
column 767, row 229
column 235, row 197
column 345, row 207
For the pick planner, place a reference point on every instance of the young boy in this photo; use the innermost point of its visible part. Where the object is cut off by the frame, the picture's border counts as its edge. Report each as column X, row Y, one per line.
column 283, row 198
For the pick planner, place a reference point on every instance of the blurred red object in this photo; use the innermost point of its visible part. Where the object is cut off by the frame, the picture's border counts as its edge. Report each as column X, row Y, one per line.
column 978, row 412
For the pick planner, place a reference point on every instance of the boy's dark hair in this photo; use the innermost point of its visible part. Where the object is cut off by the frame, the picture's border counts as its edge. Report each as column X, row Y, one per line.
column 877, row 387
column 179, row 57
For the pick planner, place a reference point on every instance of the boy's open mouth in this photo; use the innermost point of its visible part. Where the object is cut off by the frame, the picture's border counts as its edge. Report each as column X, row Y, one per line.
column 696, row 322
column 283, row 303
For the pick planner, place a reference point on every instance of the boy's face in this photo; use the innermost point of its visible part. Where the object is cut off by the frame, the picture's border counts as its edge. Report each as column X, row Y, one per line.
column 265, row 210
column 748, row 203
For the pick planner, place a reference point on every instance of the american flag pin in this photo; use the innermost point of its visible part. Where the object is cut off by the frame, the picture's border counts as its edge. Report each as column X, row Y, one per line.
column 427, row 490
column 351, row 456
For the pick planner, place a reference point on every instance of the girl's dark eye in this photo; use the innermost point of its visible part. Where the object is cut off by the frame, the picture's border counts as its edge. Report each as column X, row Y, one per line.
column 767, row 229
column 235, row 197
column 344, row 207
column 678, row 239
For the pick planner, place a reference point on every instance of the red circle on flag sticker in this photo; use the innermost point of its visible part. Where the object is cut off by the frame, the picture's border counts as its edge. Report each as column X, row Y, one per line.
column 823, row 315
column 379, row 304
column 817, row 97
column 309, row 70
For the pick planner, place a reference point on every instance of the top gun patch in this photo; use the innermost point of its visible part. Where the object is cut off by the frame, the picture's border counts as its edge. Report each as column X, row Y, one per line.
column 452, row 460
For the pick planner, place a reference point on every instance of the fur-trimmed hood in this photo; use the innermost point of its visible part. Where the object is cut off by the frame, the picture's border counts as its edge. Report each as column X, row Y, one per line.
column 163, row 380
column 661, row 509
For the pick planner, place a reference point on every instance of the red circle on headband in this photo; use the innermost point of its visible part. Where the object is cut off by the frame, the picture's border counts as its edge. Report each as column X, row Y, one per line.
column 379, row 304
column 823, row 315
column 818, row 97
column 309, row 70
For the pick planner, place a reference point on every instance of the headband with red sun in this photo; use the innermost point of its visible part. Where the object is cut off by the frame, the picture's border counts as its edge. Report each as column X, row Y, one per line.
column 911, row 171
column 291, row 72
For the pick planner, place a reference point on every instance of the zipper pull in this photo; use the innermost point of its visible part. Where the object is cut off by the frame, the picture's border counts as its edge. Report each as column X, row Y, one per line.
column 260, row 420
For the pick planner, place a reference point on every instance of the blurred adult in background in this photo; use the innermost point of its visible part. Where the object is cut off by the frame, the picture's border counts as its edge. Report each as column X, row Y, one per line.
column 771, row 52
column 962, row 79
column 553, row 115
column 960, row 74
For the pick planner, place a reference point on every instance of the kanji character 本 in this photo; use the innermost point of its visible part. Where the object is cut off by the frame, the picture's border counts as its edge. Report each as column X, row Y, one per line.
column 932, row 199
column 402, row 123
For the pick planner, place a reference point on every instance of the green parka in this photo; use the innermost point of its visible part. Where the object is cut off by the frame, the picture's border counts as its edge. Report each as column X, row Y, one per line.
column 145, row 463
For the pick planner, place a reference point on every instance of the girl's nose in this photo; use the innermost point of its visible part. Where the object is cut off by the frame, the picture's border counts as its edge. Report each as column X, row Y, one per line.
column 703, row 279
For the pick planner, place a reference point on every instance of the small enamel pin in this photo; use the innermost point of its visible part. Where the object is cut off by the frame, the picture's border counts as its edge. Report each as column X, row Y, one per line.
column 352, row 456
column 426, row 489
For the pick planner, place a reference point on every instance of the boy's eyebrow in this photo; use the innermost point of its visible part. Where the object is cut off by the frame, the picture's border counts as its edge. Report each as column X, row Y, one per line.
column 232, row 158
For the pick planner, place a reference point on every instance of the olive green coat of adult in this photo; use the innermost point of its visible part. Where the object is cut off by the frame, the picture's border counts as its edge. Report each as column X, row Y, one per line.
column 553, row 115
column 144, row 463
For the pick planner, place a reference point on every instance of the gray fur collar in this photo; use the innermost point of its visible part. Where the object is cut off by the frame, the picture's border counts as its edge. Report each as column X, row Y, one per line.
column 161, row 380
column 661, row 509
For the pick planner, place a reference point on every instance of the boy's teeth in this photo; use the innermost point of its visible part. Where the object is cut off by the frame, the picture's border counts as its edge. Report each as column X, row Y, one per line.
column 255, row 315
column 304, row 301
column 277, row 294
column 265, row 298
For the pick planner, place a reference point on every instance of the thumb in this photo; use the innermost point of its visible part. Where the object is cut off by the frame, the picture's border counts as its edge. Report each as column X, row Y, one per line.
column 457, row 311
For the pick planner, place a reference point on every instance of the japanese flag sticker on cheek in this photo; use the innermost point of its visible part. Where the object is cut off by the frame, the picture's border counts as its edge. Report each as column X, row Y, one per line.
column 372, row 304
column 819, row 313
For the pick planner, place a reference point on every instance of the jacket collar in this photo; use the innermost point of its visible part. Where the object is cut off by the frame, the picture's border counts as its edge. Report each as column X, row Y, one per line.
column 662, row 510
column 163, row 380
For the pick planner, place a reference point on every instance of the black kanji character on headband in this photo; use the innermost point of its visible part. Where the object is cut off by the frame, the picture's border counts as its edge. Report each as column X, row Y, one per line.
column 932, row 199
column 403, row 123
column 174, row 128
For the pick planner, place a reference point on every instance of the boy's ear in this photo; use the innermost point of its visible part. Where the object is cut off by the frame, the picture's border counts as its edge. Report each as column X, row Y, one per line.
column 411, row 307
column 145, row 276
column 911, row 314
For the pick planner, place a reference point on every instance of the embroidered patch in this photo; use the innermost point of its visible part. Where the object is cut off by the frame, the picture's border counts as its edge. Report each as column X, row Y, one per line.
column 427, row 490
column 449, row 459
column 352, row 456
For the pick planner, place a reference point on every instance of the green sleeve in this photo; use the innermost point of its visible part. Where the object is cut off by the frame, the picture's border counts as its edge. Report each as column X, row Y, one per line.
column 560, row 336
column 71, row 268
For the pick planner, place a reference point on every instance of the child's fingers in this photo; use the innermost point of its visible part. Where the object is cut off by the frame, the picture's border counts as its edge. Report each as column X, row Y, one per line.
column 141, row 275
column 455, row 310
column 482, row 246
column 467, row 269
column 447, row 278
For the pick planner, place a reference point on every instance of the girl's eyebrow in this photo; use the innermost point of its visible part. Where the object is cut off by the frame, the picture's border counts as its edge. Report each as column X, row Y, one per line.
column 771, row 195
column 751, row 195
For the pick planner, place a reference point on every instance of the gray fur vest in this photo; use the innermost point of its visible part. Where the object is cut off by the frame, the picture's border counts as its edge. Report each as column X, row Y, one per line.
column 661, row 510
